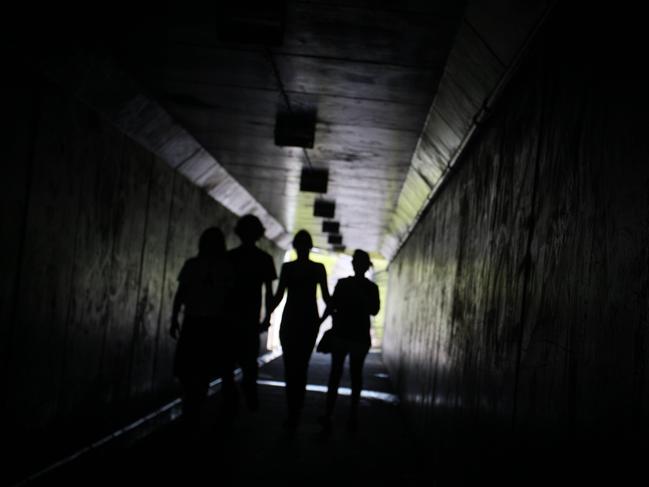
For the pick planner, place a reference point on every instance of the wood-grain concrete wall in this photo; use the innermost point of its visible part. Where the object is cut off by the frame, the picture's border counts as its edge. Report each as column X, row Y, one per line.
column 95, row 230
column 519, row 303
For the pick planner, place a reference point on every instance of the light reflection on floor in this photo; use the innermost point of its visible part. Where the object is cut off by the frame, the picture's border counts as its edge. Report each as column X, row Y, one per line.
column 343, row 391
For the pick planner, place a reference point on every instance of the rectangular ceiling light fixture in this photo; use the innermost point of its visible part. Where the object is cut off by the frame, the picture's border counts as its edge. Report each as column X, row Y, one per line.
column 335, row 239
column 330, row 226
column 324, row 208
column 314, row 180
column 295, row 129
column 252, row 22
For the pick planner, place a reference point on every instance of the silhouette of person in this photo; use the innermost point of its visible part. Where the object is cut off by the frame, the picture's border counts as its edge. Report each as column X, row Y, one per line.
column 300, row 320
column 202, row 285
column 354, row 300
column 253, row 269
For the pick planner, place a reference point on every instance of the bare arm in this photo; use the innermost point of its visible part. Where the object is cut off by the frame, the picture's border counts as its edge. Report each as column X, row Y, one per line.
column 331, row 306
column 374, row 304
column 326, row 313
column 324, row 288
column 268, row 303
column 279, row 295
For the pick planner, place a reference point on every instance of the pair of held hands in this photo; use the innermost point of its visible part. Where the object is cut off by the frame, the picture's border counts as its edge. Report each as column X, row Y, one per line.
column 265, row 324
column 174, row 330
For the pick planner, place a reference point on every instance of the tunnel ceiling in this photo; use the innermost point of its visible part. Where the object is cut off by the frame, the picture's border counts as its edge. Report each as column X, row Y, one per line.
column 368, row 73
column 395, row 89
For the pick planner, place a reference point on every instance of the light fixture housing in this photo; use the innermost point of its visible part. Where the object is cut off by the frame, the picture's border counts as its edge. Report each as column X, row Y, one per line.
column 314, row 180
column 335, row 239
column 324, row 208
column 295, row 128
column 330, row 226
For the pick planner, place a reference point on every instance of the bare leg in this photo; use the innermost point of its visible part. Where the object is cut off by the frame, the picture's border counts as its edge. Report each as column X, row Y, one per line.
column 337, row 365
column 356, row 361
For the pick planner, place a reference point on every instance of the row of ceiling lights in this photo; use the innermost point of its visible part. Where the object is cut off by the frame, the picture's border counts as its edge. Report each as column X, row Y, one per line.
column 265, row 26
column 316, row 181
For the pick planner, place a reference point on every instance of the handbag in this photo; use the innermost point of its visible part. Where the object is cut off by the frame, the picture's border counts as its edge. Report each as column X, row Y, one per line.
column 326, row 342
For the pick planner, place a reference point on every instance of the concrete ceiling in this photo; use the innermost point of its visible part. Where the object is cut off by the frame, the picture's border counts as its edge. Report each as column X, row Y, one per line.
column 369, row 72
column 398, row 89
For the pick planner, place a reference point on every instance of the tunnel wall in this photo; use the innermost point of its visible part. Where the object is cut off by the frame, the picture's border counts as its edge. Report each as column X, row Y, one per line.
column 519, row 302
column 95, row 231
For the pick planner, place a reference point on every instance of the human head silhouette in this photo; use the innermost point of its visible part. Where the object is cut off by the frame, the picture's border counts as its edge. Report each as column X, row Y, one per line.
column 302, row 243
column 361, row 262
column 249, row 229
column 211, row 243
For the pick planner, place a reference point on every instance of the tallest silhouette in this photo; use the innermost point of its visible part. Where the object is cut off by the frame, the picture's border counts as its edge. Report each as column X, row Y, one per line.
column 253, row 269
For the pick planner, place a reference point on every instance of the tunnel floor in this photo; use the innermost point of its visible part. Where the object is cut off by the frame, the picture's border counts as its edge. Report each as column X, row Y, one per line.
column 255, row 448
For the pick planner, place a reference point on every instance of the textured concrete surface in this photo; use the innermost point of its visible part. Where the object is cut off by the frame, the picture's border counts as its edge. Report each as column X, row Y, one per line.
column 254, row 449
column 489, row 42
column 519, row 303
column 95, row 231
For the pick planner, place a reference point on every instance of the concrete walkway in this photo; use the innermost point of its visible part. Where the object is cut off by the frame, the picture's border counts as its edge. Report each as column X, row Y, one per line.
column 255, row 448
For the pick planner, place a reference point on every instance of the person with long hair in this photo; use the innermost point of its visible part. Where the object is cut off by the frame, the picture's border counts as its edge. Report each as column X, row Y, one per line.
column 354, row 299
column 300, row 320
column 202, row 286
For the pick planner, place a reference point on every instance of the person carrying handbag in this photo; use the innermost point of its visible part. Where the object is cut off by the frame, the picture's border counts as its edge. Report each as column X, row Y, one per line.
column 354, row 299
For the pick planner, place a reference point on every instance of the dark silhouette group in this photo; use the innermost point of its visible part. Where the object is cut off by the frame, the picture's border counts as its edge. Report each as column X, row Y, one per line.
column 220, row 294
